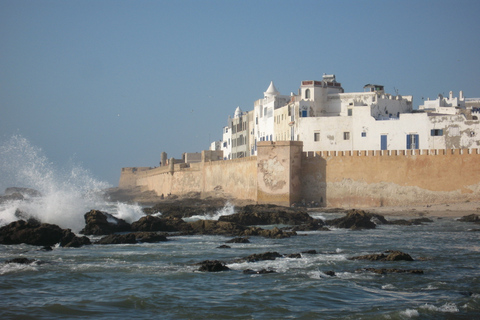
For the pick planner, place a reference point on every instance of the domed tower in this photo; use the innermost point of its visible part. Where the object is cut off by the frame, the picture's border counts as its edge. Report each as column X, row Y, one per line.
column 271, row 91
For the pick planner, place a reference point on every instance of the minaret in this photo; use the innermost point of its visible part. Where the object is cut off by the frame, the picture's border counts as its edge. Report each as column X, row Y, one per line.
column 271, row 91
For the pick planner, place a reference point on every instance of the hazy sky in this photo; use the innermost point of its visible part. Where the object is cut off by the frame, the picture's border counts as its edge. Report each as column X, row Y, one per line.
column 112, row 84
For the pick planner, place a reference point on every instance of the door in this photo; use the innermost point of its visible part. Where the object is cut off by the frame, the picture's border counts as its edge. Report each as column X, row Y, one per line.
column 383, row 142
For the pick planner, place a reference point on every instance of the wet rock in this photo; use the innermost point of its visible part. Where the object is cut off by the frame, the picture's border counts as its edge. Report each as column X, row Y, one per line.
column 213, row 227
column 33, row 233
column 392, row 256
column 188, row 207
column 132, row 238
column 153, row 223
column 293, row 256
column 261, row 271
column 150, row 237
column 212, row 266
column 21, row 261
column 310, row 251
column 475, row 218
column 274, row 233
column 118, row 239
column 391, row 270
column 403, row 222
column 238, row 240
column 102, row 223
column 269, row 215
column 260, row 257
column 224, row 246
column 356, row 220
column 330, row 273
column 70, row 240
column 316, row 225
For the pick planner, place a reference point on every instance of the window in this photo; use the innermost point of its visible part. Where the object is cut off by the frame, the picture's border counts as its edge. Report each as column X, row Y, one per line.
column 436, row 132
column 307, row 94
column 316, row 136
column 364, row 134
column 350, row 111
column 412, row 141
column 346, row 136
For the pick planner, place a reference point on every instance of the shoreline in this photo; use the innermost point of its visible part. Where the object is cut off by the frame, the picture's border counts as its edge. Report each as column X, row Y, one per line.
column 444, row 210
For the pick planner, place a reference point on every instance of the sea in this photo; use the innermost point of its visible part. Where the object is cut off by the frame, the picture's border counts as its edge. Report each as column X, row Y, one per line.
column 162, row 280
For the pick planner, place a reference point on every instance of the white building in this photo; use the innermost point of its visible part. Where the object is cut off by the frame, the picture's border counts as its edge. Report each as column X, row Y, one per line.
column 326, row 118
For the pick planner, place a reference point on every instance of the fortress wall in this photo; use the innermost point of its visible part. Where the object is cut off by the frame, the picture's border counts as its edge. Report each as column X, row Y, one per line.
column 387, row 178
column 237, row 177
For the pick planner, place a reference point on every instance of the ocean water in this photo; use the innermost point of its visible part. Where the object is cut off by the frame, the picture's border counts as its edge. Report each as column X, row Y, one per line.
column 162, row 281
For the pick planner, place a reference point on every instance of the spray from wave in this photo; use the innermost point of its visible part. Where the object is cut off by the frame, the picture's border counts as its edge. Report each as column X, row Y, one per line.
column 66, row 193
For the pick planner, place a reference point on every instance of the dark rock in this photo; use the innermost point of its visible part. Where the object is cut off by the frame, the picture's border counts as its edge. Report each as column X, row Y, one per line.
column 46, row 248
column 32, row 233
column 274, row 233
column 150, row 237
column 392, row 256
column 310, row 251
column 102, row 223
column 470, row 218
column 392, row 270
column 238, row 240
column 356, row 220
column 213, row 227
column 261, row 271
column 212, row 266
column 330, row 273
column 293, row 256
column 260, row 257
column 187, row 207
column 21, row 261
column 269, row 215
column 403, row 222
column 69, row 239
column 128, row 238
column 224, row 246
column 316, row 225
column 153, row 223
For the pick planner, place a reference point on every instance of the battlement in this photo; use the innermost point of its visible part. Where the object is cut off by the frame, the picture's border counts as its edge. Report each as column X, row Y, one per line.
column 389, row 153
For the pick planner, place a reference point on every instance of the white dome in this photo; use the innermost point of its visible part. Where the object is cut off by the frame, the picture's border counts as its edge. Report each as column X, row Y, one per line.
column 238, row 112
column 271, row 91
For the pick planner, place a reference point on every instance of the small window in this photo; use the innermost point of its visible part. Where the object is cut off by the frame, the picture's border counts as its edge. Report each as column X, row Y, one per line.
column 350, row 112
column 346, row 136
column 316, row 136
column 364, row 134
column 436, row 132
column 307, row 94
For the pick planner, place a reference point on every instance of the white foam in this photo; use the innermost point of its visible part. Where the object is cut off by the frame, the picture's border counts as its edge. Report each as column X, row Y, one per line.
column 447, row 307
column 227, row 210
column 410, row 313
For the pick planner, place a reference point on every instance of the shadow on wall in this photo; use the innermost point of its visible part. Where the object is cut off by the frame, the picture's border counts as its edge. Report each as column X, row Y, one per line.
column 314, row 182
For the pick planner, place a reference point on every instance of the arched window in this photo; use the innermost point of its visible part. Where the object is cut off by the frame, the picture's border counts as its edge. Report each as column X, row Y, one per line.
column 307, row 94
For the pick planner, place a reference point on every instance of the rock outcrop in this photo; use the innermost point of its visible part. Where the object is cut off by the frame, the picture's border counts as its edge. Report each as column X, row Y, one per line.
column 392, row 255
column 269, row 215
column 132, row 238
column 39, row 234
column 212, row 266
column 102, row 223
column 356, row 220
column 475, row 218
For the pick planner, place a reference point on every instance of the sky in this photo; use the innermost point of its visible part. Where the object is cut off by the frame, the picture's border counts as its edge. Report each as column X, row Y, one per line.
column 112, row 84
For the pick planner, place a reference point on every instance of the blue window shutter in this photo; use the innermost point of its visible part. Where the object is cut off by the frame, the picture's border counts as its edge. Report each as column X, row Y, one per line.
column 408, row 141
column 417, row 142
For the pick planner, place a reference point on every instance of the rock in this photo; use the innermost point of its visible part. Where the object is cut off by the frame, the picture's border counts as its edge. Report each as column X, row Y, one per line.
column 330, row 273
column 224, row 246
column 128, row 238
column 310, row 251
column 260, row 257
column 69, row 239
column 213, row 227
column 102, row 223
column 470, row 218
column 238, row 240
column 293, row 256
column 261, row 271
column 316, row 225
column 392, row 270
column 187, row 207
column 403, row 222
column 132, row 238
column 274, row 233
column 32, row 233
column 356, row 220
column 150, row 237
column 153, row 223
column 21, row 261
column 269, row 215
column 392, row 256
column 212, row 266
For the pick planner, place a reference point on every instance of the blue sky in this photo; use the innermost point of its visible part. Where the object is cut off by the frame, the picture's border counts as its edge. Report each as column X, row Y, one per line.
column 112, row 84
